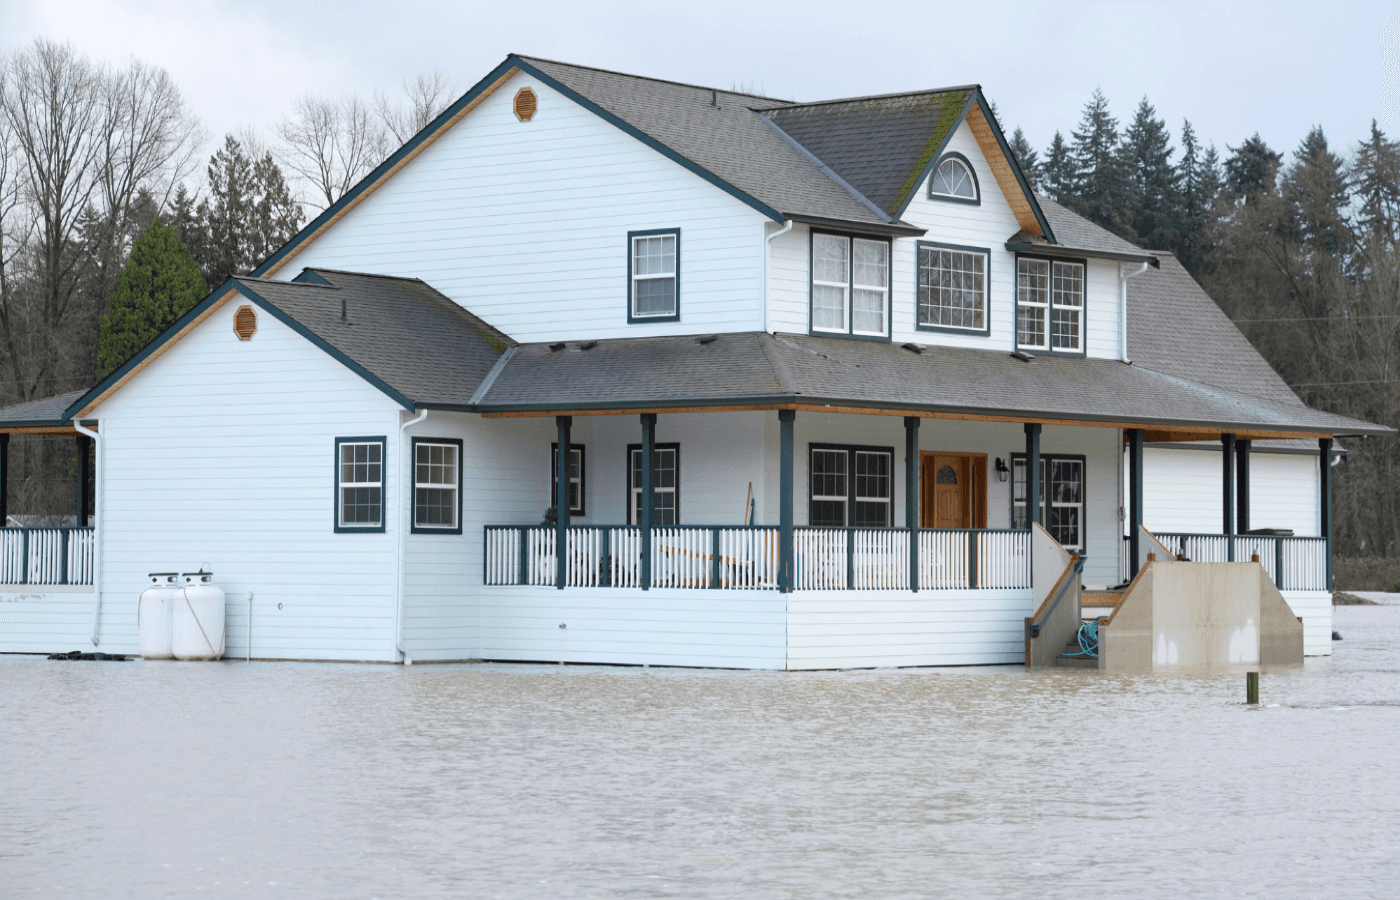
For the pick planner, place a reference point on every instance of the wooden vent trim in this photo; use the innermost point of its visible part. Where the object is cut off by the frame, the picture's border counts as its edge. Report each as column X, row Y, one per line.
column 526, row 103
column 245, row 322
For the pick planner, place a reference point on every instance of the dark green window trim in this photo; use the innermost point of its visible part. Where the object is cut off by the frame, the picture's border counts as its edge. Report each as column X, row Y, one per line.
column 627, row 479
column 1083, row 350
column 986, row 254
column 632, row 318
column 581, row 450
column 975, row 200
column 1046, row 459
column 851, row 450
column 849, row 333
column 413, row 487
column 382, row 441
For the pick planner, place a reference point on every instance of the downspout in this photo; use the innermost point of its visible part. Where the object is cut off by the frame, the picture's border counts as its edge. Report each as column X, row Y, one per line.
column 405, row 476
column 767, row 252
column 97, row 524
column 1123, row 277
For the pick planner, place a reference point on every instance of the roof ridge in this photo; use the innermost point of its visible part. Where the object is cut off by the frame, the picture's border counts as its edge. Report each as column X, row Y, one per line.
column 685, row 84
column 866, row 97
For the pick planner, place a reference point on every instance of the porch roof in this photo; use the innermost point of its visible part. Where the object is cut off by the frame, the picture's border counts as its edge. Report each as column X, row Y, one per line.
column 755, row 370
column 42, row 416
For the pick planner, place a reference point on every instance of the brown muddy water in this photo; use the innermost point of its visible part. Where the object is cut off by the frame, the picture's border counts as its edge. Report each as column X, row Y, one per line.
column 343, row 781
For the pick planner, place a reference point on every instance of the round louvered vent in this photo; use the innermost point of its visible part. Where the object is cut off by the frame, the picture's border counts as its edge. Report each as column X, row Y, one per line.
column 245, row 322
column 525, row 104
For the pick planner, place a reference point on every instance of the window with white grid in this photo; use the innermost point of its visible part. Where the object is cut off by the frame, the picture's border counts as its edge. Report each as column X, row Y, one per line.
column 953, row 179
column 655, row 275
column 831, row 273
column 1061, row 497
column 1050, row 305
column 850, row 486
column 850, row 285
column 1032, row 303
column 1067, row 306
column 952, row 288
column 359, row 484
column 436, row 484
column 665, row 484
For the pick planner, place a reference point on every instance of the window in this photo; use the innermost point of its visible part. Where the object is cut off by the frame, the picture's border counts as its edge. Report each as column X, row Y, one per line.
column 437, row 479
column 359, row 484
column 850, row 486
column 653, row 275
column 1061, row 497
column 850, row 285
column 1050, row 305
column 575, row 477
column 952, row 288
column 954, row 179
column 665, row 484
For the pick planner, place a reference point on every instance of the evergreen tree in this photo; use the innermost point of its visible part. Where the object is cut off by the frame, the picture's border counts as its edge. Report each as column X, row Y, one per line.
column 1198, row 181
column 1026, row 158
column 248, row 214
column 1251, row 168
column 1101, row 192
column 1152, row 180
column 1376, row 181
column 1057, row 172
column 158, row 285
column 1316, row 190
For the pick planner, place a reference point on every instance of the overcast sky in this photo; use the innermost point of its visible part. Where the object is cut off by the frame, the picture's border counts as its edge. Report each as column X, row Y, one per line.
column 1231, row 68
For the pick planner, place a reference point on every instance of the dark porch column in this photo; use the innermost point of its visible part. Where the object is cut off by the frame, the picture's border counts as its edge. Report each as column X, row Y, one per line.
column 561, row 501
column 1033, row 487
column 4, row 478
column 1324, row 448
column 911, row 495
column 1242, row 486
column 84, row 445
column 1135, row 497
column 786, row 417
column 1227, row 477
column 648, row 451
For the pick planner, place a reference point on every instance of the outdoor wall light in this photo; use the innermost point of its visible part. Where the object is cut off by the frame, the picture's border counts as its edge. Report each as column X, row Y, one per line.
column 1002, row 471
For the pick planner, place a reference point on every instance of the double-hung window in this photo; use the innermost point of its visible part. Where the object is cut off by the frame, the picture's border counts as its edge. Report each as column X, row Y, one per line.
column 359, row 484
column 437, row 482
column 665, row 484
column 576, row 484
column 952, row 288
column 1050, row 305
column 850, row 486
column 653, row 275
column 1061, row 497
column 850, row 285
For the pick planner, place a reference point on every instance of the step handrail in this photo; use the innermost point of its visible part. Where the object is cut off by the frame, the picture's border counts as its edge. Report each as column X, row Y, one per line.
column 1076, row 565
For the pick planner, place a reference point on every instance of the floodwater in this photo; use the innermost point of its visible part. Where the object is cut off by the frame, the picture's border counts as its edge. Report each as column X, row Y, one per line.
column 344, row 781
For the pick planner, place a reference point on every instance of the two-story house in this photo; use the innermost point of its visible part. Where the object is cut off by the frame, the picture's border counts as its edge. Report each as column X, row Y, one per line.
column 814, row 376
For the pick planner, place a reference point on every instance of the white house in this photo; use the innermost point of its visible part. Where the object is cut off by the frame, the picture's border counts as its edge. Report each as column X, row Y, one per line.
column 837, row 330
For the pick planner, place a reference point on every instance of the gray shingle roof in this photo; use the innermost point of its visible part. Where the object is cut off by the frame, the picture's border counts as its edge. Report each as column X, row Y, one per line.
column 761, row 368
column 878, row 145
column 46, row 412
column 1074, row 232
column 402, row 331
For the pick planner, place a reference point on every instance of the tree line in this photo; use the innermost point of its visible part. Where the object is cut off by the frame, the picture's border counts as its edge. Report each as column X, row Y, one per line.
column 111, row 226
column 1300, row 252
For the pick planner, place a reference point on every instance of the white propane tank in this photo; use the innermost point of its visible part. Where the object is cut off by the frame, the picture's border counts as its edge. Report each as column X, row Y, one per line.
column 198, row 631
column 153, row 614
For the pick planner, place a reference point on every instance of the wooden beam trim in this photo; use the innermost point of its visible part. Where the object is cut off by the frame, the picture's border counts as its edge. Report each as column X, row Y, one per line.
column 1001, row 170
column 408, row 158
column 54, row 429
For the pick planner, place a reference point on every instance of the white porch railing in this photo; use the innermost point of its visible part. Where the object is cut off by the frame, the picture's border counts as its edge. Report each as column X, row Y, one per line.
column 747, row 557
column 46, row 555
column 1294, row 563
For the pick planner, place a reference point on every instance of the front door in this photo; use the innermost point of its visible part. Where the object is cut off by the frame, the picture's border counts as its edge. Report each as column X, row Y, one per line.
column 952, row 490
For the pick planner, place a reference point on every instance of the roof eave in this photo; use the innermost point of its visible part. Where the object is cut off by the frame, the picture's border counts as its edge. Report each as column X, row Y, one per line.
column 1031, row 247
column 898, row 229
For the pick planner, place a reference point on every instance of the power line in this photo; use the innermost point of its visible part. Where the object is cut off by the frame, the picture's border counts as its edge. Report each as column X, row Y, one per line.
column 1339, row 383
column 1319, row 319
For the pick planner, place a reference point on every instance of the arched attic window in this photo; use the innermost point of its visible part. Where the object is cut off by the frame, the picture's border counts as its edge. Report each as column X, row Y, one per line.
column 954, row 179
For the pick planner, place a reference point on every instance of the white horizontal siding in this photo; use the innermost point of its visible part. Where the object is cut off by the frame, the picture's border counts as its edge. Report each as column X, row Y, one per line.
column 789, row 290
column 1182, row 491
column 222, row 452
column 863, row 629
column 1284, row 492
column 722, row 629
column 44, row 620
column 1315, row 609
column 526, row 225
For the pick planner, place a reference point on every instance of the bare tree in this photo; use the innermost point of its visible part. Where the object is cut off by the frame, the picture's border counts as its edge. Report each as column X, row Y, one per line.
column 427, row 96
column 331, row 144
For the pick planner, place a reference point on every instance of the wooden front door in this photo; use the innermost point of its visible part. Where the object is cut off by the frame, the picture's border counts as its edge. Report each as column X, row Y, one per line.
column 953, row 490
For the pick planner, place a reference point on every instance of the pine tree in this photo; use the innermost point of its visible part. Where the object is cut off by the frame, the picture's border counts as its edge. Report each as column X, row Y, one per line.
column 1252, row 168
column 1316, row 189
column 1057, row 172
column 1026, row 158
column 1152, row 179
column 248, row 214
column 1101, row 192
column 158, row 285
column 1198, row 182
column 1376, row 180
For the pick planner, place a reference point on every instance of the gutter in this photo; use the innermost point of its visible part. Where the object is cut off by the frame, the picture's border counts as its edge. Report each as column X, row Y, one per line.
column 407, row 509
column 767, row 265
column 1029, row 247
column 1123, row 276
column 97, row 484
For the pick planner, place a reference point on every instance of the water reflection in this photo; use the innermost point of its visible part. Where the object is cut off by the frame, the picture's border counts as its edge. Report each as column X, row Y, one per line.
column 153, row 779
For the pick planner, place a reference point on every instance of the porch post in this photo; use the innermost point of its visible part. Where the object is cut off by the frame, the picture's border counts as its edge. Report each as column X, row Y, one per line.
column 1033, row 511
column 1135, row 497
column 561, row 502
column 911, row 495
column 785, row 475
column 1324, row 448
column 4, row 479
column 1242, row 486
column 1227, row 477
column 84, row 445
column 648, row 451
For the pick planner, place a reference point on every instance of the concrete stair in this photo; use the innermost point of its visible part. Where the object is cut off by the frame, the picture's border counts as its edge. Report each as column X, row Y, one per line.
column 1068, row 659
